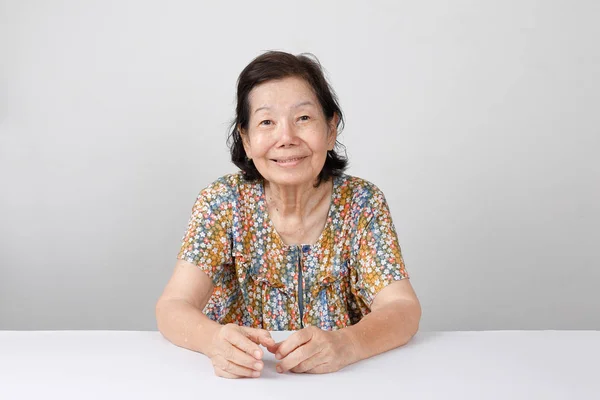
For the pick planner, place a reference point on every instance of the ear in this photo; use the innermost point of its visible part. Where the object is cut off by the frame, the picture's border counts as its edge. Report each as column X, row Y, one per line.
column 332, row 137
column 245, row 142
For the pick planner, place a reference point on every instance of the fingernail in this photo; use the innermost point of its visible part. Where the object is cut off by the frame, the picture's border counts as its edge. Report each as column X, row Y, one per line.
column 278, row 356
column 278, row 369
column 258, row 366
column 257, row 354
column 256, row 374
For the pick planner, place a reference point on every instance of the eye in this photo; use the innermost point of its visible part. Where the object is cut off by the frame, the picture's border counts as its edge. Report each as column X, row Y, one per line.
column 266, row 122
column 304, row 118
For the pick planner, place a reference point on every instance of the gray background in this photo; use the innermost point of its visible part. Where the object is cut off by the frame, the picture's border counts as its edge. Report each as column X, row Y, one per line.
column 478, row 119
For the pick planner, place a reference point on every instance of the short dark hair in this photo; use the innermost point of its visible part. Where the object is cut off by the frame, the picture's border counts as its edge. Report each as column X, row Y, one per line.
column 273, row 65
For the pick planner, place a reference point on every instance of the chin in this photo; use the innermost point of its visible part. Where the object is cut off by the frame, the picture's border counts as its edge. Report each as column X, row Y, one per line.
column 291, row 178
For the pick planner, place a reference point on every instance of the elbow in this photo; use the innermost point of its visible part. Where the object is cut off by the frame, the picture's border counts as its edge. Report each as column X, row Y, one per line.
column 411, row 321
column 160, row 312
column 415, row 319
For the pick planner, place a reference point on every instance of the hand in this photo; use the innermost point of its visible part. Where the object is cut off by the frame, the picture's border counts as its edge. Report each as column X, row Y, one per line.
column 235, row 352
column 314, row 351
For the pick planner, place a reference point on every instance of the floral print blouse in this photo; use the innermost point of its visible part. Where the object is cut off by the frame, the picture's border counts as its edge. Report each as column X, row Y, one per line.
column 261, row 282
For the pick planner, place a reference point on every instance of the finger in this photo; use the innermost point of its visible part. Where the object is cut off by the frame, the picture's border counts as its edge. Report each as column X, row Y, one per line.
column 219, row 372
column 273, row 349
column 259, row 336
column 228, row 368
column 242, row 342
column 307, row 364
column 291, row 343
column 324, row 368
column 237, row 356
column 298, row 356
column 320, row 369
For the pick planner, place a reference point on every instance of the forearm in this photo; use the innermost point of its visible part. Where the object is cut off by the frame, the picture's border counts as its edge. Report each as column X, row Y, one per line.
column 390, row 326
column 185, row 325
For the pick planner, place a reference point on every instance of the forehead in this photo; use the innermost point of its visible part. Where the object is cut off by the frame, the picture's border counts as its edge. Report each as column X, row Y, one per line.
column 281, row 93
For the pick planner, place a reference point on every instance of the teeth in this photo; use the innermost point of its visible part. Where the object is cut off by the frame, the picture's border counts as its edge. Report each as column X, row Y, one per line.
column 286, row 161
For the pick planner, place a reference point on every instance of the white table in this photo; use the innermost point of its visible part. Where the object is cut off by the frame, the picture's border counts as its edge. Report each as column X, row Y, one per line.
column 434, row 365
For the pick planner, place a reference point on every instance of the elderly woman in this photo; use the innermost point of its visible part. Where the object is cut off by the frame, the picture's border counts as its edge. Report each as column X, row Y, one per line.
column 290, row 242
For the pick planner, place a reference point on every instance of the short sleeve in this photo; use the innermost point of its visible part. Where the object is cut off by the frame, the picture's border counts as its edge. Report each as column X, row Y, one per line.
column 207, row 241
column 379, row 260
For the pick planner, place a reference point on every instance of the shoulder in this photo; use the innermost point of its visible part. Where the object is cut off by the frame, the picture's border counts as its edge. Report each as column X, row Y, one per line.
column 228, row 191
column 360, row 192
column 225, row 187
column 219, row 191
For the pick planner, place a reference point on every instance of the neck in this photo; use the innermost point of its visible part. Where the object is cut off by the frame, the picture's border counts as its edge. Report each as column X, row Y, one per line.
column 296, row 201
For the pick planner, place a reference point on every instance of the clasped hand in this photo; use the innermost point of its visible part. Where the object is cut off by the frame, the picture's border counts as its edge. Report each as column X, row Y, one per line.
column 236, row 352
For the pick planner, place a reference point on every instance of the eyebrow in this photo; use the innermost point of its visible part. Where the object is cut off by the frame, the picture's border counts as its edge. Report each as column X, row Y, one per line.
column 302, row 103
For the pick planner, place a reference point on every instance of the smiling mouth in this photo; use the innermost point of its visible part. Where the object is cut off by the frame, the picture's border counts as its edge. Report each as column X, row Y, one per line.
column 288, row 160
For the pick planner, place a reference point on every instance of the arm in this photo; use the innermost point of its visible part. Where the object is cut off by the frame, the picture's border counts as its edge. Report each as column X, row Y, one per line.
column 204, row 259
column 179, row 309
column 395, row 311
column 233, row 349
column 392, row 322
column 382, row 285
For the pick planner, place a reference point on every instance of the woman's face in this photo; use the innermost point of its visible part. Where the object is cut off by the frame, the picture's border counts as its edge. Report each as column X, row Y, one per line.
column 288, row 135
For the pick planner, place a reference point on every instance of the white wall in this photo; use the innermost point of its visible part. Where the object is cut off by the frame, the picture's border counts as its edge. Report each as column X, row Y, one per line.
column 478, row 119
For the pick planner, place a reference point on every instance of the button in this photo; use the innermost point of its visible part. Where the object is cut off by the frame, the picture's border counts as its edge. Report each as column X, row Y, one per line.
column 305, row 248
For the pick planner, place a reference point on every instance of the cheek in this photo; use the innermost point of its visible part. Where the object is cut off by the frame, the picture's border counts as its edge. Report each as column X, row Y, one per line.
column 320, row 144
column 260, row 145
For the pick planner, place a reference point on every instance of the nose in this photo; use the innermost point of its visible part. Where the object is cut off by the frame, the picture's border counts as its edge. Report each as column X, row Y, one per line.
column 286, row 134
